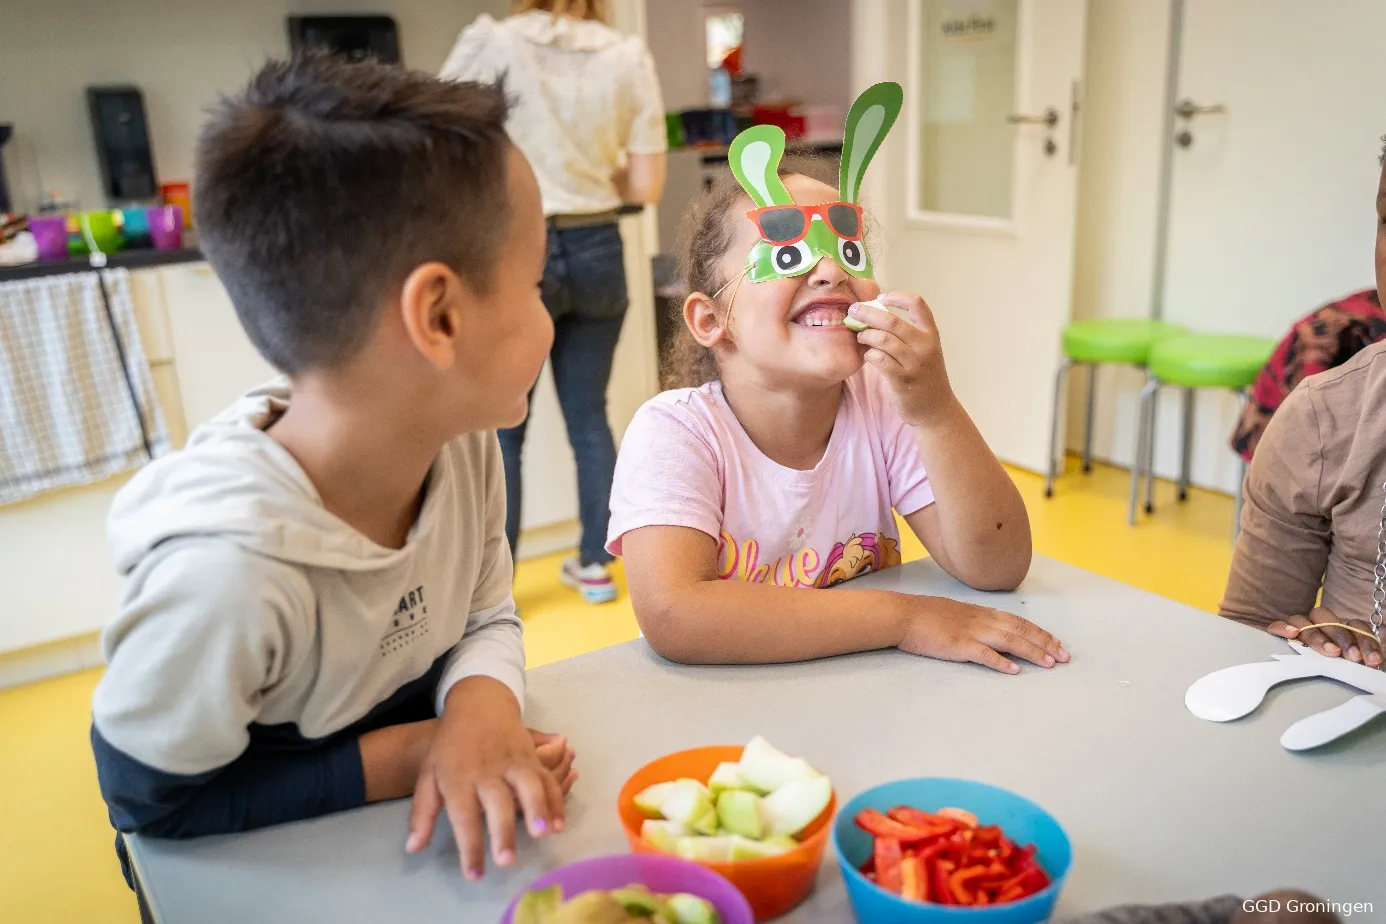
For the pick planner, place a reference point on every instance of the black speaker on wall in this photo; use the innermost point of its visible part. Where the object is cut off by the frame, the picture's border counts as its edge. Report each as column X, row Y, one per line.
column 122, row 143
column 353, row 37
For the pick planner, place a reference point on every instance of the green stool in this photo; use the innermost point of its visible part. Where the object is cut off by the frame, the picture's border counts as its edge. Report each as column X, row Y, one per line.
column 1195, row 361
column 1121, row 341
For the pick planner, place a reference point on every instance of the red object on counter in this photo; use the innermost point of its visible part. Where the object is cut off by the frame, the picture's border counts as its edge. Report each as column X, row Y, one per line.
column 794, row 126
column 948, row 858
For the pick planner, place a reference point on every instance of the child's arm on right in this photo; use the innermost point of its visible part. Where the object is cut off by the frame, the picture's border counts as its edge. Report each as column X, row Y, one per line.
column 689, row 615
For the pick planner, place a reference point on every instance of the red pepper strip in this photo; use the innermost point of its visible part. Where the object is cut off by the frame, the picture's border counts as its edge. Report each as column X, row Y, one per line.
column 1011, row 894
column 939, row 876
column 928, row 855
column 1031, row 878
column 957, row 883
column 1007, row 848
column 982, row 899
column 888, row 859
column 994, row 875
column 989, row 835
column 962, row 816
column 878, row 825
column 869, row 866
column 917, row 819
column 913, row 882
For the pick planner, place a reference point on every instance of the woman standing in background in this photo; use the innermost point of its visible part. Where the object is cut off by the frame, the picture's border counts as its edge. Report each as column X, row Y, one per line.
column 589, row 116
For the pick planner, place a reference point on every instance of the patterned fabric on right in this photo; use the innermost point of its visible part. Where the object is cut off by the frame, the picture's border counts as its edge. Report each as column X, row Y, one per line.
column 1323, row 340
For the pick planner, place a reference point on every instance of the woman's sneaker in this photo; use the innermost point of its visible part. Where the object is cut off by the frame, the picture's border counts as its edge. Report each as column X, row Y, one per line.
column 593, row 582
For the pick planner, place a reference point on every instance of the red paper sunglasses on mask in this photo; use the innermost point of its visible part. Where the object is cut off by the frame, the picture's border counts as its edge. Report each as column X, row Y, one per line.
column 789, row 224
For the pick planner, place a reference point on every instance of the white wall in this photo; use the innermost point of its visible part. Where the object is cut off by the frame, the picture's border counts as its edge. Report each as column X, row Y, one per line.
column 182, row 55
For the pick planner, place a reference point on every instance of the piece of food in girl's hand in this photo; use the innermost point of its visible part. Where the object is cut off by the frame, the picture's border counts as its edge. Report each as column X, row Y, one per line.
column 948, row 858
column 853, row 324
column 750, row 809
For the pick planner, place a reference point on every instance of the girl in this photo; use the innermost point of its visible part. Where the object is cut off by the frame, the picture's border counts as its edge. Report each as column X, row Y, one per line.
column 782, row 468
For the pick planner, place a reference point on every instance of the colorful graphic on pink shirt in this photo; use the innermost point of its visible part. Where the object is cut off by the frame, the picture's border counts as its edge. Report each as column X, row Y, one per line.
column 859, row 555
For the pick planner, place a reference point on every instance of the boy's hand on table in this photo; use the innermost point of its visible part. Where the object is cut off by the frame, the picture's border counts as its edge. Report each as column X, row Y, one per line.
column 1331, row 641
column 482, row 763
column 557, row 757
column 950, row 630
column 908, row 354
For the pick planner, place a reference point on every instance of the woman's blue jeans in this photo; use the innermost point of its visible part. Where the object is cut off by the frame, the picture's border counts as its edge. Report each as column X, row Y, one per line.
column 584, row 289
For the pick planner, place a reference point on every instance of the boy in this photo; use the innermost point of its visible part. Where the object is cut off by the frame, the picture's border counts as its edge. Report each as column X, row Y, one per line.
column 324, row 568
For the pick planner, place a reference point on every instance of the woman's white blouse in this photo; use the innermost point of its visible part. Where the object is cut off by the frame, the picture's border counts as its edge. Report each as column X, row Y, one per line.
column 583, row 93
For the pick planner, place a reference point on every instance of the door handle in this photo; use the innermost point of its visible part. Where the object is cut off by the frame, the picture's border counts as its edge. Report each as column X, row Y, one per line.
column 1050, row 118
column 1187, row 109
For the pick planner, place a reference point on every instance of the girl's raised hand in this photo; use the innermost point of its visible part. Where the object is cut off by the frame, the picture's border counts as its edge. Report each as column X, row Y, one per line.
column 909, row 355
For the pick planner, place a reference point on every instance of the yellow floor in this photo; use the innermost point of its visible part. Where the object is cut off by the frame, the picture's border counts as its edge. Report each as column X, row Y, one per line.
column 56, row 860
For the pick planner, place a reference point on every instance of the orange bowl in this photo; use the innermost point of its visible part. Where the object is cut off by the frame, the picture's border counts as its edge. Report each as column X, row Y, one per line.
column 773, row 885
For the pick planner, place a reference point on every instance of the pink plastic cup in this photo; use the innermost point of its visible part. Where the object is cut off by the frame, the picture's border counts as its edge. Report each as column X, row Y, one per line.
column 663, row 875
column 166, row 226
column 50, row 233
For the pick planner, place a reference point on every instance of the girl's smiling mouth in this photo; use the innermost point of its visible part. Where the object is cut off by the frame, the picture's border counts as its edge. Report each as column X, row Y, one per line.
column 822, row 314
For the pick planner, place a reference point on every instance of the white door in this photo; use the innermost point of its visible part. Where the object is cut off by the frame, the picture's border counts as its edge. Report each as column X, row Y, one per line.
column 1273, row 199
column 978, row 212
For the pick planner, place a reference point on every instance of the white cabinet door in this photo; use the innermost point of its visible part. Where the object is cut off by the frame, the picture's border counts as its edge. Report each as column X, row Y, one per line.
column 215, row 360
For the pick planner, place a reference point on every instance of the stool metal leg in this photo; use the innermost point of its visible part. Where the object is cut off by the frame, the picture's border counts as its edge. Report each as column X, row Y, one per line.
column 1143, row 435
column 1150, row 454
column 1087, row 423
column 1055, row 426
column 1186, row 459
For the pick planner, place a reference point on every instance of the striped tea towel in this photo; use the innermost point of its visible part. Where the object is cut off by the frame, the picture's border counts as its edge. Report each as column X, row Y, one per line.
column 76, row 398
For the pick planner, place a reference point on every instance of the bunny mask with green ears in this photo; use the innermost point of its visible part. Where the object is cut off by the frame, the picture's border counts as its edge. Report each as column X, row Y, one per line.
column 794, row 238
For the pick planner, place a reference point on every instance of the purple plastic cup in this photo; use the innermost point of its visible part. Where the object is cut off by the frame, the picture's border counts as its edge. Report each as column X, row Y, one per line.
column 664, row 875
column 166, row 226
column 50, row 233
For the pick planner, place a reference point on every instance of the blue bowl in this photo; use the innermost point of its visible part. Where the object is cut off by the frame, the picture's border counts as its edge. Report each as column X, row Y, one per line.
column 1022, row 821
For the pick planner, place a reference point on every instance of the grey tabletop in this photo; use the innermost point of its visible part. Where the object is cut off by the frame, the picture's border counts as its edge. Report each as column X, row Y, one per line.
column 1160, row 806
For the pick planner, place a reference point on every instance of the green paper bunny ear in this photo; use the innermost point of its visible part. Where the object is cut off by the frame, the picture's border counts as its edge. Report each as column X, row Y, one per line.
column 869, row 120
column 755, row 160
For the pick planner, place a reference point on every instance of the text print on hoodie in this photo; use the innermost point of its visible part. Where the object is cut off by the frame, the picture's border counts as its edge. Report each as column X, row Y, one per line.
column 258, row 635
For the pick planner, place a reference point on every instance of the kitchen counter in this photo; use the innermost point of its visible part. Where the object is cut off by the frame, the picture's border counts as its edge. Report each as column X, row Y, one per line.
column 127, row 259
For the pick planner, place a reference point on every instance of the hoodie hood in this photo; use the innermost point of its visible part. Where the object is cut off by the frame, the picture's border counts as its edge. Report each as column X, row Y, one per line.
column 232, row 481
column 563, row 32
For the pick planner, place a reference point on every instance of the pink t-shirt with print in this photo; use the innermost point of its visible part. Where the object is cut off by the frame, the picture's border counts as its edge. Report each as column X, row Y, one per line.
column 686, row 461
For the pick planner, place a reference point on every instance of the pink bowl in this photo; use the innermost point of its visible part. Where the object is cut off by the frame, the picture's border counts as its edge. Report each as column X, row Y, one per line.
column 664, row 875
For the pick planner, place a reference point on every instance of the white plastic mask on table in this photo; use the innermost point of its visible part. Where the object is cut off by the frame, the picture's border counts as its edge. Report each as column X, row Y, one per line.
column 1236, row 691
